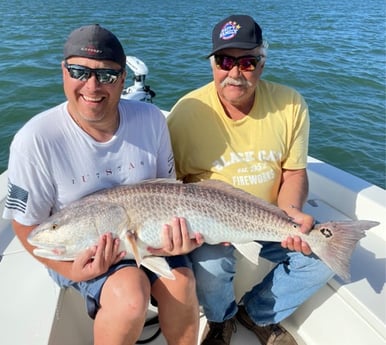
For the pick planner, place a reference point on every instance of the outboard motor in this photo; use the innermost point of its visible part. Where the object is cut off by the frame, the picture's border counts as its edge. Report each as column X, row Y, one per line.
column 138, row 91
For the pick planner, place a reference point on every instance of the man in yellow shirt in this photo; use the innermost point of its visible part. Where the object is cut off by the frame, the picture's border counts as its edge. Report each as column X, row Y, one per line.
column 252, row 134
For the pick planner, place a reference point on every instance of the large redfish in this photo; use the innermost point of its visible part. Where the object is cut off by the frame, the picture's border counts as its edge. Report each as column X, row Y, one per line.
column 221, row 213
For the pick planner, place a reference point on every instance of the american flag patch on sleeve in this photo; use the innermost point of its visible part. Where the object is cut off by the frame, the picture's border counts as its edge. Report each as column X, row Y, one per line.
column 17, row 198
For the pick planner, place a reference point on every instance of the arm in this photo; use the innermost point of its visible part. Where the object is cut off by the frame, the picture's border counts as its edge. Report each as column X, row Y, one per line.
column 91, row 263
column 292, row 196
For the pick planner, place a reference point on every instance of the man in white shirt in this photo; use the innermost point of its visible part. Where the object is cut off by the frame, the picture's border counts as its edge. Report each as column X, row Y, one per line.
column 93, row 141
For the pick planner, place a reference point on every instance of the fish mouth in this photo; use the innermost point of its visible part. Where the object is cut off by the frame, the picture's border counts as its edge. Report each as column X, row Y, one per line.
column 35, row 241
column 50, row 252
column 53, row 254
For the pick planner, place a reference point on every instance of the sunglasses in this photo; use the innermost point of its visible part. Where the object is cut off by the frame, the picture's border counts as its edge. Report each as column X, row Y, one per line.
column 246, row 63
column 103, row 75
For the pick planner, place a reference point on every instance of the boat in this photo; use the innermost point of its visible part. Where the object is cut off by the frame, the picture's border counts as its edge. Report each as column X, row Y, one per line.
column 35, row 311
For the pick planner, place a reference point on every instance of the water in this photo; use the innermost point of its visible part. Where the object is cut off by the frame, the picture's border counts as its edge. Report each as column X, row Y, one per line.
column 332, row 52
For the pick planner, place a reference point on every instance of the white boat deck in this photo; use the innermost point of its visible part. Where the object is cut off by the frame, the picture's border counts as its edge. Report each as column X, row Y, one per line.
column 34, row 311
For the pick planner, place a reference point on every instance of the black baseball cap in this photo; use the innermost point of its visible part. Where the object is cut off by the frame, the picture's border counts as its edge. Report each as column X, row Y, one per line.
column 95, row 42
column 236, row 31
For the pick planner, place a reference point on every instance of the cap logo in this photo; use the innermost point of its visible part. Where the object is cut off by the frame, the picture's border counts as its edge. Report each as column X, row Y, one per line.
column 91, row 50
column 229, row 30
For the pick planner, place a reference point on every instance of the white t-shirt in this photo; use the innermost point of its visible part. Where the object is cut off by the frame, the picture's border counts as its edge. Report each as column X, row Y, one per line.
column 54, row 162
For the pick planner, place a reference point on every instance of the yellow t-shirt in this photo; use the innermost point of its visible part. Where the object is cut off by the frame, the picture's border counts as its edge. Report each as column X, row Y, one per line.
column 249, row 153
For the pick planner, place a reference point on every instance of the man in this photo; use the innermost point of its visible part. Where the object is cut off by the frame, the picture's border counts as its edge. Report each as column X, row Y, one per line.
column 252, row 134
column 96, row 140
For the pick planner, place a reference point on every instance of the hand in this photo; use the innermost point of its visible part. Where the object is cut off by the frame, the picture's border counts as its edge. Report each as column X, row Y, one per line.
column 96, row 260
column 295, row 243
column 176, row 239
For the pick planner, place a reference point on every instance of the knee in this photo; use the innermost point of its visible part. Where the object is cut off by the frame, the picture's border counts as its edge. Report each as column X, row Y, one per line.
column 214, row 262
column 312, row 268
column 130, row 307
column 127, row 297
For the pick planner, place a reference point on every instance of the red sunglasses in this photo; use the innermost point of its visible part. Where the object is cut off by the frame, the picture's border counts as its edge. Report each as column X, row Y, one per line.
column 244, row 63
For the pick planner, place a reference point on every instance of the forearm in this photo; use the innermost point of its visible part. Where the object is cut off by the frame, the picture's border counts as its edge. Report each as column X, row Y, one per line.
column 293, row 190
column 292, row 196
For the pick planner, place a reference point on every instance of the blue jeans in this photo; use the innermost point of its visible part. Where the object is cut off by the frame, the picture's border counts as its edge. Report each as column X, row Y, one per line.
column 293, row 280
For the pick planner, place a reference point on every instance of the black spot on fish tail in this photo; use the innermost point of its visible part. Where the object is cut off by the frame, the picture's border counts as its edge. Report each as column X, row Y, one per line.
column 327, row 233
column 340, row 241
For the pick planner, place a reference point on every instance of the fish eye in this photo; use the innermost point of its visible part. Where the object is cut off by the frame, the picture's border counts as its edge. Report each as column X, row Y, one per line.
column 54, row 226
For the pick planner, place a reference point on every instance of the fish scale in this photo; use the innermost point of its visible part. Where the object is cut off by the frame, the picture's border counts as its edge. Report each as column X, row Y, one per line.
column 210, row 208
column 221, row 213
column 215, row 211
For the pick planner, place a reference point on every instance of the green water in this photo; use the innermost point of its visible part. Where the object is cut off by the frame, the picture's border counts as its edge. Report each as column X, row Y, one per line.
column 332, row 52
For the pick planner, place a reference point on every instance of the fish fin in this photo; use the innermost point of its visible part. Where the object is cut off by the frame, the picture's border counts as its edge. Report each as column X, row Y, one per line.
column 131, row 238
column 158, row 265
column 341, row 239
column 250, row 250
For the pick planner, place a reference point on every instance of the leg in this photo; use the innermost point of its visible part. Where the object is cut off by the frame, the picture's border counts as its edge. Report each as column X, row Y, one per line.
column 296, row 278
column 214, row 269
column 178, row 307
column 124, row 302
column 117, row 300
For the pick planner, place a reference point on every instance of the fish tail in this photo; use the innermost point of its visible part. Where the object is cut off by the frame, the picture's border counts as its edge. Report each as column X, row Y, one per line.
column 341, row 239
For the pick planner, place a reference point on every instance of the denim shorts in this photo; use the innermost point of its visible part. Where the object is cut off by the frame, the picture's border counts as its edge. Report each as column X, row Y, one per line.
column 91, row 289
